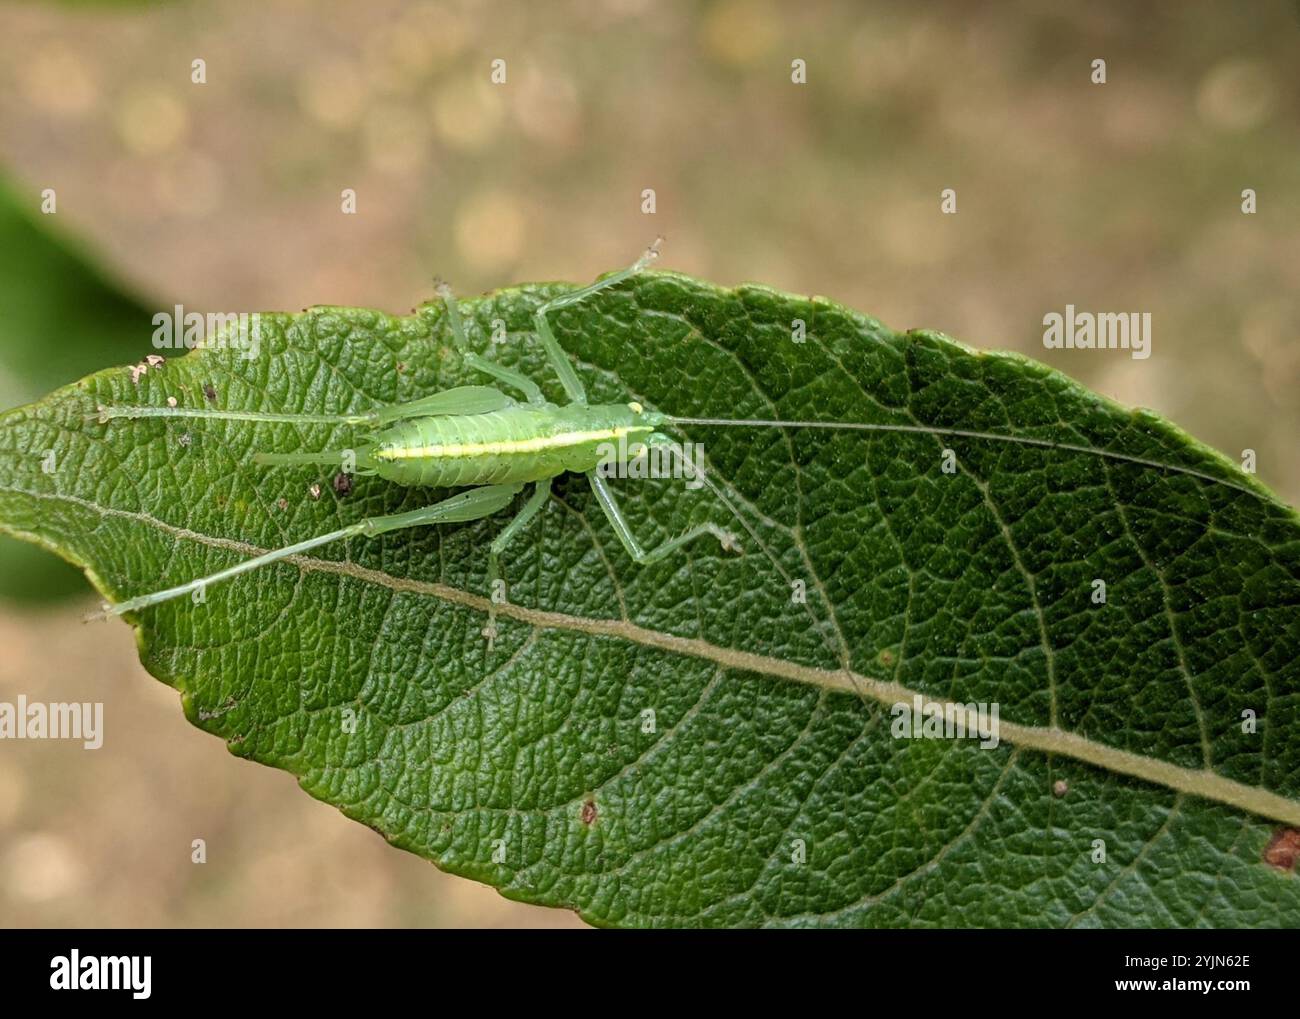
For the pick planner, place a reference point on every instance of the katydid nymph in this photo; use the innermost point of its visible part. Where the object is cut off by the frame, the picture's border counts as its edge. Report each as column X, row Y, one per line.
column 474, row 437
column 492, row 444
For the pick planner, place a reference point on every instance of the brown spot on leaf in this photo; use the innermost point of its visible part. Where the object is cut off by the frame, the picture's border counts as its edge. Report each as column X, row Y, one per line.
column 1060, row 787
column 209, row 392
column 589, row 812
column 1283, row 849
column 343, row 483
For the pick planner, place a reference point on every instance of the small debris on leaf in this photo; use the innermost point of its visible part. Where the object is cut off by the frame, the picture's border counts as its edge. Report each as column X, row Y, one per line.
column 1283, row 849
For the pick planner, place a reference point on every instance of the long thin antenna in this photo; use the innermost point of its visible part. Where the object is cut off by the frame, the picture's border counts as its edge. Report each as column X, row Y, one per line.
column 1068, row 447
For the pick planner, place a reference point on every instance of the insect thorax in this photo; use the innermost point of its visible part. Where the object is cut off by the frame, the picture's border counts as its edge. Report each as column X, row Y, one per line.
column 518, row 444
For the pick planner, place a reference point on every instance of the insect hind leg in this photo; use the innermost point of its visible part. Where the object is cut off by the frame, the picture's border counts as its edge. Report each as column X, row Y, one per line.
column 106, row 413
column 473, row 504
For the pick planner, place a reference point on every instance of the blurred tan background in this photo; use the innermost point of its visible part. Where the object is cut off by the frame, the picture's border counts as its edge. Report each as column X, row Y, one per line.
column 225, row 196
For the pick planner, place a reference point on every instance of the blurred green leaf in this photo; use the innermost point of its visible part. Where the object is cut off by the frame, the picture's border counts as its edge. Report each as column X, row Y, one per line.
column 60, row 317
column 678, row 743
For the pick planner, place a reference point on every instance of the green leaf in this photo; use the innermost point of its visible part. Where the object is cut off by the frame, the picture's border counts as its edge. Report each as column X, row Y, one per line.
column 62, row 318
column 679, row 743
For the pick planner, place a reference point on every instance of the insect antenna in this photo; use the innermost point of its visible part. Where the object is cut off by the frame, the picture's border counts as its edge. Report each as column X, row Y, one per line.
column 967, row 433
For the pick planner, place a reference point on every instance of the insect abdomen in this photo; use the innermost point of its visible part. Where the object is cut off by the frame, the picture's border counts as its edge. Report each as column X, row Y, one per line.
column 519, row 444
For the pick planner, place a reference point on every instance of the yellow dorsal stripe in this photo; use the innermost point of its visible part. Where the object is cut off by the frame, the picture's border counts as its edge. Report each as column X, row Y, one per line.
column 536, row 444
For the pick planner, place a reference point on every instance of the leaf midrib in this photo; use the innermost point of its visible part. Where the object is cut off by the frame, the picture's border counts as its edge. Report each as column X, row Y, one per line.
column 1051, row 740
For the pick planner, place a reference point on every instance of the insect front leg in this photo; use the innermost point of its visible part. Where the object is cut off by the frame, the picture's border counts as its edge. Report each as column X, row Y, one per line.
column 530, row 509
column 628, row 540
column 560, row 362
